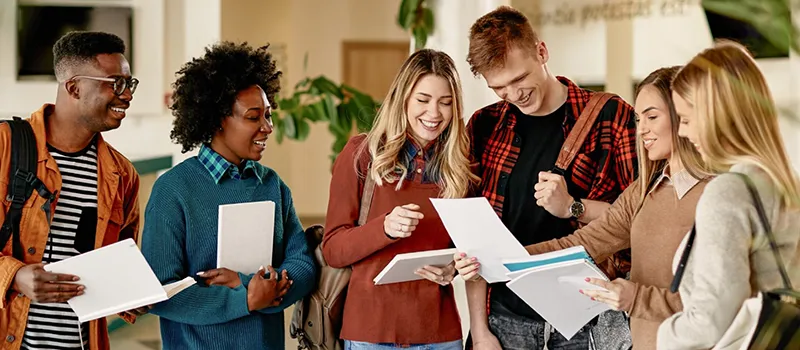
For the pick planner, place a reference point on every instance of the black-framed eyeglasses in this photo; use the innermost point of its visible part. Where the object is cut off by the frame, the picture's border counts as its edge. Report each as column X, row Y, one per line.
column 119, row 83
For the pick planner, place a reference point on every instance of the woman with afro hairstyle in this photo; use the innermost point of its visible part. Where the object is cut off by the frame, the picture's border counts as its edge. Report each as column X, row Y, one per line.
column 223, row 104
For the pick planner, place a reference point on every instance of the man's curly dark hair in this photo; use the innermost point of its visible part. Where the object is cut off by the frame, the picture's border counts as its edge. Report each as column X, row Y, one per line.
column 206, row 89
column 79, row 47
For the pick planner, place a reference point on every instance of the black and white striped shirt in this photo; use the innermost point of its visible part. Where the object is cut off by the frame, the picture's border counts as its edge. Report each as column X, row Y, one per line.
column 72, row 231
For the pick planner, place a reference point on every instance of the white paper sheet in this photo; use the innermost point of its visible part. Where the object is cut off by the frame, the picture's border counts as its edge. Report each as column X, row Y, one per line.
column 553, row 291
column 245, row 235
column 402, row 266
column 477, row 231
column 117, row 278
column 177, row 287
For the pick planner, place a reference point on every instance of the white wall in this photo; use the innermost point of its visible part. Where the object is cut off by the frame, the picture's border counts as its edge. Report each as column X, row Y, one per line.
column 144, row 120
column 452, row 20
column 662, row 38
column 21, row 97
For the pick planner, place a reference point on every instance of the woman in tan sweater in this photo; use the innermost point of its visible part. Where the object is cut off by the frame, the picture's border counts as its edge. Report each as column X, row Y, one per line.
column 650, row 217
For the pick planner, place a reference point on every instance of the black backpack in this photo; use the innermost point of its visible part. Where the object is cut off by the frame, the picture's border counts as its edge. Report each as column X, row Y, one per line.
column 22, row 181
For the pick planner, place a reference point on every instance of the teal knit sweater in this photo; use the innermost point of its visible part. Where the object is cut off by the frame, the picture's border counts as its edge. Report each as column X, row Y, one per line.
column 180, row 239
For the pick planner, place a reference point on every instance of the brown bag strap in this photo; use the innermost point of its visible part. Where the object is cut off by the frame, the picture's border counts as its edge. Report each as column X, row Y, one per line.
column 366, row 197
column 581, row 130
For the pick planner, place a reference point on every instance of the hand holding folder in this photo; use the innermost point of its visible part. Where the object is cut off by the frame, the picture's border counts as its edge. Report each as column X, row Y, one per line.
column 41, row 286
column 117, row 279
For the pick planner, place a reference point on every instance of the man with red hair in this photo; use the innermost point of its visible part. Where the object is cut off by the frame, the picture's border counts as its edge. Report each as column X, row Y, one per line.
column 515, row 144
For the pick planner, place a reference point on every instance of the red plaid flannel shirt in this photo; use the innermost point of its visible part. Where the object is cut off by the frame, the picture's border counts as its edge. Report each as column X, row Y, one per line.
column 604, row 167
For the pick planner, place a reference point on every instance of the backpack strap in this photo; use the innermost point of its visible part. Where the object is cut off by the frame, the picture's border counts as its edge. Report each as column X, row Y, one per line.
column 22, row 181
column 580, row 131
column 765, row 224
column 366, row 197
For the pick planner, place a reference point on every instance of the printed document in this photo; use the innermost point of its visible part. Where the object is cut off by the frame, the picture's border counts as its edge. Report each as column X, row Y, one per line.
column 550, row 284
column 477, row 231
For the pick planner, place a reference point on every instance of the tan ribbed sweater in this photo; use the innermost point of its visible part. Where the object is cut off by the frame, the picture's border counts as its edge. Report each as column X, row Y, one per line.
column 653, row 236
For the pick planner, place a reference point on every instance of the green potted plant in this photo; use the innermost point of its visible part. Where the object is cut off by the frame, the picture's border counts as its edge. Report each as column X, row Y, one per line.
column 346, row 110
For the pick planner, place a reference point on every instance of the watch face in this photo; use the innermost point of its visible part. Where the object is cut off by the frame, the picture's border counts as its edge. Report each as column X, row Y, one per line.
column 577, row 209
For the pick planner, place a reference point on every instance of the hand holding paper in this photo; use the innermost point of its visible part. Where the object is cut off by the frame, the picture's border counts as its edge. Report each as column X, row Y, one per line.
column 46, row 287
column 221, row 277
column 139, row 311
column 467, row 266
column 439, row 275
column 616, row 294
column 477, row 231
column 127, row 284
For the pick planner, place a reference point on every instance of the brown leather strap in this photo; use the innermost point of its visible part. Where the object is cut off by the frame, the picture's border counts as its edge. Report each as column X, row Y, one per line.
column 581, row 129
column 366, row 197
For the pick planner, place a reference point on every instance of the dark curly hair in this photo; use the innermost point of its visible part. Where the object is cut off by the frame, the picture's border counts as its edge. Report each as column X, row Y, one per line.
column 79, row 47
column 206, row 89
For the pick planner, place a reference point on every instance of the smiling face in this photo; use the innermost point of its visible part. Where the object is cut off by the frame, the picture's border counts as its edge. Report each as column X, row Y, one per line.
column 98, row 107
column 429, row 108
column 244, row 133
column 522, row 80
column 654, row 126
column 689, row 127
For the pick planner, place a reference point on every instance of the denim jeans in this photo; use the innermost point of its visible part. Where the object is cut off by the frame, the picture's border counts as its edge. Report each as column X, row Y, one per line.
column 515, row 332
column 357, row 345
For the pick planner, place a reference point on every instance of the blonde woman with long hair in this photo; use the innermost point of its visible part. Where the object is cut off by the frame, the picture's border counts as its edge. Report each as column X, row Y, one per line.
column 728, row 113
column 417, row 149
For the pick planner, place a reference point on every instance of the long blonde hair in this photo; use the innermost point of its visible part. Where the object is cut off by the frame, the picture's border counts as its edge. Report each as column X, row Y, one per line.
column 736, row 115
column 389, row 134
column 649, row 170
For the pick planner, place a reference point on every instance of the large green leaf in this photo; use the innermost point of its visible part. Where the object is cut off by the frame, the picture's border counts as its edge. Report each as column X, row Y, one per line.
column 289, row 126
column 339, row 143
column 320, row 99
column 427, row 20
column 303, row 129
column 277, row 123
column 288, row 103
column 330, row 107
column 326, row 86
column 406, row 13
column 771, row 18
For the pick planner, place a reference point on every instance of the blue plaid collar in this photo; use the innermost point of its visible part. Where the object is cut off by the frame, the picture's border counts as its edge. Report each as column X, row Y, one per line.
column 219, row 167
column 413, row 148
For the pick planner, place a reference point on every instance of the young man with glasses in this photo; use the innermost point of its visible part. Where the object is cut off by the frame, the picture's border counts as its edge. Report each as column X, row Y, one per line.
column 86, row 198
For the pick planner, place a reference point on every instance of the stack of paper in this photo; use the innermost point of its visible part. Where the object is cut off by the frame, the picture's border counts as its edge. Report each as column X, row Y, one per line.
column 245, row 234
column 402, row 266
column 117, row 279
column 477, row 231
column 550, row 283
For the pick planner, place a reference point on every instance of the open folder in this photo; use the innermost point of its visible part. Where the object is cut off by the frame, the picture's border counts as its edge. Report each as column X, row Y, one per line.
column 477, row 231
column 402, row 266
column 550, row 283
column 245, row 235
column 117, row 278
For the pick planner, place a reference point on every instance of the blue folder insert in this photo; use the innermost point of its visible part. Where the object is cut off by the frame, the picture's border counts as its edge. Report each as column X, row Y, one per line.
column 517, row 266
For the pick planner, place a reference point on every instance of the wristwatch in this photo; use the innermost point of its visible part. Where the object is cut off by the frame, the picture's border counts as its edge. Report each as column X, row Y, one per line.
column 577, row 208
